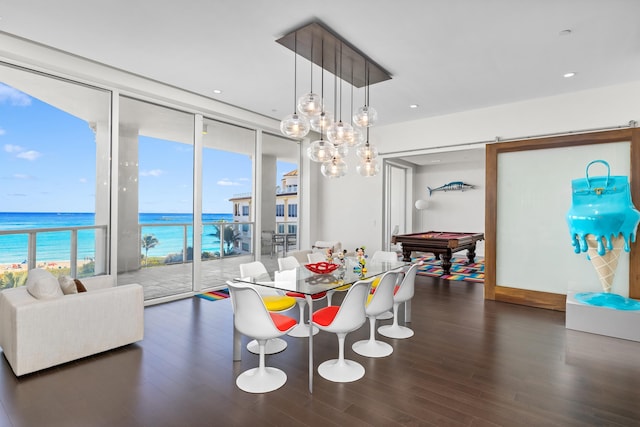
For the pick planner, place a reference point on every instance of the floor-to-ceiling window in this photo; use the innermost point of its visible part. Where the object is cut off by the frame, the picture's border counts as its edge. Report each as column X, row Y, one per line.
column 155, row 196
column 227, row 199
column 54, row 174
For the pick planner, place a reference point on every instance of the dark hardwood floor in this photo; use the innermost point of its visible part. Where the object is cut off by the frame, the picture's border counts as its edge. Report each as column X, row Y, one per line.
column 471, row 363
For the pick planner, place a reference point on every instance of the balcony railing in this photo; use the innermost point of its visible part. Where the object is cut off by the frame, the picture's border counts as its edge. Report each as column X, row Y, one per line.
column 60, row 248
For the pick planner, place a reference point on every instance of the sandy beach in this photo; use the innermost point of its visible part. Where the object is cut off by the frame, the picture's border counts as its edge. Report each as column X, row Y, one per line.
column 16, row 267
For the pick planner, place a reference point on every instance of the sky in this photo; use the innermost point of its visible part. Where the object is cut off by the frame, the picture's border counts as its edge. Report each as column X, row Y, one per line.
column 47, row 164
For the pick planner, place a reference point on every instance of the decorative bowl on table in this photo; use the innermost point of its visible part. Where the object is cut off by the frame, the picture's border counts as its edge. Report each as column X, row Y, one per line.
column 321, row 267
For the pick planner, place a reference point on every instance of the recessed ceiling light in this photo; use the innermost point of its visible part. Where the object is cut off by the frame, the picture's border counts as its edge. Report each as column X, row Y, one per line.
column 413, row 106
column 217, row 91
column 568, row 75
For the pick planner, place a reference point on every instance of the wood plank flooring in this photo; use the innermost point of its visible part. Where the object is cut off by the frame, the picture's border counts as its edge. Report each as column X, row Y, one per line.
column 471, row 363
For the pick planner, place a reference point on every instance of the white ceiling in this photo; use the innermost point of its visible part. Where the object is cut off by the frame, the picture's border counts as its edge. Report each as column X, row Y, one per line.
column 445, row 56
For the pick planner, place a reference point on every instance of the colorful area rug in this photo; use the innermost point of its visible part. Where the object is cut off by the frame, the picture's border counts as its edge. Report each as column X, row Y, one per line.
column 459, row 270
column 215, row 295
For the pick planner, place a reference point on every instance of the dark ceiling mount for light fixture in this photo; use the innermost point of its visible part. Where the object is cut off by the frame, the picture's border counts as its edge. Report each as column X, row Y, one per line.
column 355, row 65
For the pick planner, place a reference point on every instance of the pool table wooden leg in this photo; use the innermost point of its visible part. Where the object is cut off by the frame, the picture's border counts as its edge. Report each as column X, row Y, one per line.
column 406, row 253
column 446, row 261
column 471, row 254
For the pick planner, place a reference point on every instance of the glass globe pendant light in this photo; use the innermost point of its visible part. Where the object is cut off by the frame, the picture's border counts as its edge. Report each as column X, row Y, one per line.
column 366, row 115
column 294, row 125
column 367, row 168
column 334, row 168
column 321, row 121
column 368, row 165
column 367, row 151
column 341, row 151
column 339, row 132
column 310, row 104
column 321, row 151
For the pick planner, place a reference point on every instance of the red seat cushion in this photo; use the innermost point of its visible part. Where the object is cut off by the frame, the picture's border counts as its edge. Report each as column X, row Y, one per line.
column 325, row 315
column 299, row 295
column 395, row 290
column 282, row 322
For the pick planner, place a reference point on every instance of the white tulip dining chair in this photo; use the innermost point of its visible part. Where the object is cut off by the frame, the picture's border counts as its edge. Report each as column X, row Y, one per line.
column 302, row 329
column 377, row 303
column 314, row 257
column 251, row 318
column 383, row 256
column 274, row 301
column 341, row 320
column 404, row 292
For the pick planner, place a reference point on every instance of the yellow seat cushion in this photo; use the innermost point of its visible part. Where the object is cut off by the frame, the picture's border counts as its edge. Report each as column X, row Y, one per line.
column 342, row 288
column 278, row 303
column 375, row 282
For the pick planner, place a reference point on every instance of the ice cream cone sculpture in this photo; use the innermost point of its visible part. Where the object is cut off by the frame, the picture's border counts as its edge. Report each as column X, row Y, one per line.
column 607, row 263
column 602, row 220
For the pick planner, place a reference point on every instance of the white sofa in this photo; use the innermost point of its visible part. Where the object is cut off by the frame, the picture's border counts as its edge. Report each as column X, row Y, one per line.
column 39, row 333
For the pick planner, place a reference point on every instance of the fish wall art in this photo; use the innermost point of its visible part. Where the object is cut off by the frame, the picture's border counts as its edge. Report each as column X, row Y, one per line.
column 452, row 186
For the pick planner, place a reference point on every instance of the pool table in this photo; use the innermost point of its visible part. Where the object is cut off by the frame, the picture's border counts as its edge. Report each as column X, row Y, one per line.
column 440, row 243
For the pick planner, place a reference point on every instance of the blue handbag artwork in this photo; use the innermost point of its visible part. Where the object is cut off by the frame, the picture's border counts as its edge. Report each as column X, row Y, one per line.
column 602, row 206
column 602, row 220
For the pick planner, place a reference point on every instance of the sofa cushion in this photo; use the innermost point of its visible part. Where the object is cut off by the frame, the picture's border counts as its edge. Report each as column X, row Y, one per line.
column 43, row 285
column 68, row 285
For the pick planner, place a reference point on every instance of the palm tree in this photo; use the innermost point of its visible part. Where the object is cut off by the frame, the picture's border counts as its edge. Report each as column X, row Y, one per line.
column 148, row 241
column 230, row 236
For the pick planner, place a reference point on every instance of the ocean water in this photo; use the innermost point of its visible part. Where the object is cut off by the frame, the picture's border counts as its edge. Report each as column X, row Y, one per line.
column 168, row 228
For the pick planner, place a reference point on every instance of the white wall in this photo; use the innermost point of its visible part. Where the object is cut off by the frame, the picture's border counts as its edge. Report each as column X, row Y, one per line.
column 461, row 211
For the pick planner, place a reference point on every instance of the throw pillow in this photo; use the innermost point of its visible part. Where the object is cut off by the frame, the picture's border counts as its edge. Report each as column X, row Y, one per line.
column 67, row 285
column 80, row 286
column 43, row 285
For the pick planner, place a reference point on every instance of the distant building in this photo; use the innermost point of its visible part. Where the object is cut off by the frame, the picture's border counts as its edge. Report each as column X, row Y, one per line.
column 286, row 210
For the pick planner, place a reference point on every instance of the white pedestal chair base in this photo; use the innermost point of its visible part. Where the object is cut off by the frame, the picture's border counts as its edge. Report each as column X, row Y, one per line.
column 374, row 348
column 341, row 371
column 395, row 331
column 302, row 331
column 274, row 345
column 261, row 380
column 385, row 316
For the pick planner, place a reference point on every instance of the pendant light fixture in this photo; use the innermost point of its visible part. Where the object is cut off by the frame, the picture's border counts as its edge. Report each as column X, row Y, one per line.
column 322, row 121
column 295, row 125
column 349, row 65
column 310, row 104
column 334, row 168
column 339, row 132
column 321, row 150
column 366, row 115
column 368, row 165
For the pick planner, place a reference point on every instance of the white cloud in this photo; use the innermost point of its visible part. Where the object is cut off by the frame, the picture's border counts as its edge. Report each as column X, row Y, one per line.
column 226, row 182
column 243, row 179
column 29, row 155
column 10, row 148
column 152, row 172
column 21, row 176
column 2, row 131
column 83, row 180
column 13, row 96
